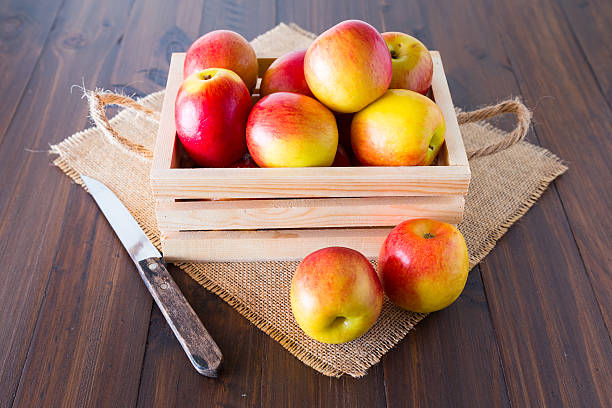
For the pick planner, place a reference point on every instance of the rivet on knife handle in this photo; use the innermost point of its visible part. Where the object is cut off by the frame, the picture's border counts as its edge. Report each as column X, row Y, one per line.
column 201, row 349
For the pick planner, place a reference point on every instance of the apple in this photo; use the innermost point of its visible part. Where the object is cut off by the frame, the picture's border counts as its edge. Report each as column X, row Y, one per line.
column 223, row 49
column 423, row 265
column 286, row 74
column 412, row 63
column 401, row 128
column 211, row 110
column 291, row 130
column 335, row 295
column 348, row 66
column 342, row 159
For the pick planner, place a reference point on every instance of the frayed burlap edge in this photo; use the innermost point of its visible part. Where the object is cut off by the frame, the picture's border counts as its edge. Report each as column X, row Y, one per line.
column 299, row 352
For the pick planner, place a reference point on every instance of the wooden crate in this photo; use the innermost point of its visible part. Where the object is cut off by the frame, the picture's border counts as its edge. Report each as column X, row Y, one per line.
column 249, row 214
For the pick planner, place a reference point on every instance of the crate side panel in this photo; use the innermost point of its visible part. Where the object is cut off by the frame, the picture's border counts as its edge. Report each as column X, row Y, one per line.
column 208, row 183
column 306, row 213
column 442, row 96
column 165, row 155
column 243, row 246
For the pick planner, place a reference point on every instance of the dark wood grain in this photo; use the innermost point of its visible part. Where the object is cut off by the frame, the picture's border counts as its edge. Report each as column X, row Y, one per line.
column 33, row 203
column 286, row 382
column 589, row 23
column 564, row 283
column 24, row 28
column 158, row 28
column 468, row 373
column 76, row 323
column 574, row 106
column 552, row 339
column 79, row 345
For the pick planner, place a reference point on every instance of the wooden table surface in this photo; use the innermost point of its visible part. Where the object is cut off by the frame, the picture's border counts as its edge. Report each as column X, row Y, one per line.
column 78, row 328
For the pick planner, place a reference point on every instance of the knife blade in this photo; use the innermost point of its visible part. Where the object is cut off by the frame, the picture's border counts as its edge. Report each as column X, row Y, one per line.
column 199, row 346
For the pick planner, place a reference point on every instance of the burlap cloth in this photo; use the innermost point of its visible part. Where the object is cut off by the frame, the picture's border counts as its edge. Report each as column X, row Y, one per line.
column 504, row 186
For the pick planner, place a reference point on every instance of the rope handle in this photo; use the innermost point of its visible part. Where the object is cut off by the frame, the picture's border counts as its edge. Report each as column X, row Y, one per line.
column 515, row 106
column 98, row 100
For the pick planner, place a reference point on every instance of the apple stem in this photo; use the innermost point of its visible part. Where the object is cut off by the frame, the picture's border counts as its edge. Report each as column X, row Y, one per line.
column 428, row 235
column 393, row 54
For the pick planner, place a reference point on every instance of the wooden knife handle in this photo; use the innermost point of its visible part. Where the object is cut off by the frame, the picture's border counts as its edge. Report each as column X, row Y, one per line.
column 201, row 349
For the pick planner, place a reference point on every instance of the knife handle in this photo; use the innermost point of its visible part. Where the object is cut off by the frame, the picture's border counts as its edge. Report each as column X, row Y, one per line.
column 201, row 349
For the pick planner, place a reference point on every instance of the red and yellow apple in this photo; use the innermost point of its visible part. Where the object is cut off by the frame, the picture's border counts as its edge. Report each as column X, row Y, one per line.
column 291, row 130
column 223, row 49
column 286, row 74
column 335, row 295
column 348, row 66
column 412, row 63
column 423, row 265
column 211, row 110
column 401, row 128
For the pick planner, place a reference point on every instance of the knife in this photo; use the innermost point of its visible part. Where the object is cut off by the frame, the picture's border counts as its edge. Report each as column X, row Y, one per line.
column 201, row 349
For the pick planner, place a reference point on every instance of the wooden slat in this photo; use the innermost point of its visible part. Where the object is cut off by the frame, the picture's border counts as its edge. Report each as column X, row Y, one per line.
column 264, row 245
column 453, row 143
column 264, row 63
column 310, row 182
column 165, row 154
column 305, row 213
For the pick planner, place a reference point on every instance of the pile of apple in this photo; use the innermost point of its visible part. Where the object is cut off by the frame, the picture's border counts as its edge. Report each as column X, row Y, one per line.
column 353, row 97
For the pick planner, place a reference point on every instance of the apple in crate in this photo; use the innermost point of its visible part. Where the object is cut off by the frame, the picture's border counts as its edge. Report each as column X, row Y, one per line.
column 223, row 49
column 291, row 130
column 412, row 63
column 401, row 128
column 423, row 265
column 335, row 295
column 348, row 66
column 211, row 110
column 286, row 74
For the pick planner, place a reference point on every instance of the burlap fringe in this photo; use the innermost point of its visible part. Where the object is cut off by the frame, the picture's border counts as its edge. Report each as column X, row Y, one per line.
column 304, row 355
column 301, row 353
